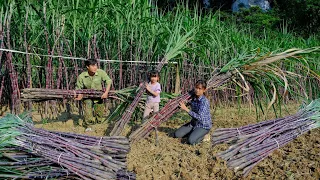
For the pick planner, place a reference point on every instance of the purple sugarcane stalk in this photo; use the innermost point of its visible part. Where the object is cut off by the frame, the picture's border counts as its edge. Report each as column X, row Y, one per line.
column 227, row 134
column 232, row 151
column 248, row 127
column 66, row 75
column 120, row 65
column 49, row 64
column 49, row 94
column 59, row 70
column 55, row 138
column 95, row 49
column 248, row 157
column 164, row 114
column 41, row 149
column 1, row 43
column 1, row 87
column 114, row 145
column 119, row 126
column 27, row 49
column 76, row 69
column 15, row 107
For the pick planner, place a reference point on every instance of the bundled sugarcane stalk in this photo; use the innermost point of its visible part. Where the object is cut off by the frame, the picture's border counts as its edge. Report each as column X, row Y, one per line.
column 15, row 163
column 115, row 146
column 252, row 143
column 126, row 116
column 39, row 94
column 85, row 156
column 248, row 70
column 170, row 108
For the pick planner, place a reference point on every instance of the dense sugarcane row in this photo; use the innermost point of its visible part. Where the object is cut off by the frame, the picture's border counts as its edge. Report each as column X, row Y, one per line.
column 250, row 144
column 84, row 156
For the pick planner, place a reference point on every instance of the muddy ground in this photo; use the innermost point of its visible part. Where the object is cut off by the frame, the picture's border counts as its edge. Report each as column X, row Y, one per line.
column 173, row 159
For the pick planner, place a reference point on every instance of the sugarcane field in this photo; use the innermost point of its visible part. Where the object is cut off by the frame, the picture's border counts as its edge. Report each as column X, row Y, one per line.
column 106, row 89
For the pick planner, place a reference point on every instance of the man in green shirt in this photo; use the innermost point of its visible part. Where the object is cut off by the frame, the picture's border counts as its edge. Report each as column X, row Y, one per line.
column 93, row 79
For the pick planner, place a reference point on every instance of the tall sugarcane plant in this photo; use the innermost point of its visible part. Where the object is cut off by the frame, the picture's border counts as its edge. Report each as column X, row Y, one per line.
column 5, row 27
column 126, row 31
column 260, row 73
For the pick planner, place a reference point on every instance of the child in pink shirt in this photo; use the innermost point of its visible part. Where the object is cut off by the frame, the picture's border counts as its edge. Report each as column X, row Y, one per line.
column 153, row 98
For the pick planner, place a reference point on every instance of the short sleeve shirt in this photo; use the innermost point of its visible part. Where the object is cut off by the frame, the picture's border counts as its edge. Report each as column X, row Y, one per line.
column 156, row 88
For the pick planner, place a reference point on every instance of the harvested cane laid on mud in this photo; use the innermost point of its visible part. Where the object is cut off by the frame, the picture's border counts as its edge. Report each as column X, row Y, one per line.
column 252, row 143
column 77, row 155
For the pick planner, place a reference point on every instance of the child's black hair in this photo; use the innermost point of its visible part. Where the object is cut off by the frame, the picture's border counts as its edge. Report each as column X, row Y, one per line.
column 91, row 61
column 153, row 73
column 202, row 83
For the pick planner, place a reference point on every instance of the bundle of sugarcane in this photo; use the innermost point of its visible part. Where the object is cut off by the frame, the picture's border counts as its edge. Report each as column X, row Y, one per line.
column 85, row 156
column 246, row 71
column 15, row 163
column 253, row 143
column 39, row 94
column 126, row 116
column 115, row 146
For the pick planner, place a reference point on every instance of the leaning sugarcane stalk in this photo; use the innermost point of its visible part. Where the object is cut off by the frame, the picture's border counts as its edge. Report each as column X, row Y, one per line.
column 252, row 143
column 119, row 126
column 167, row 111
column 246, row 69
column 38, row 94
column 87, row 157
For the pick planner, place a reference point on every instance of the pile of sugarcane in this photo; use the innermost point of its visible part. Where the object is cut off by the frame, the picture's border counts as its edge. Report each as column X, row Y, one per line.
column 83, row 156
column 39, row 94
column 252, row 143
column 15, row 163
